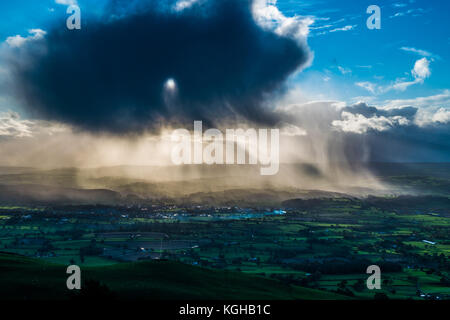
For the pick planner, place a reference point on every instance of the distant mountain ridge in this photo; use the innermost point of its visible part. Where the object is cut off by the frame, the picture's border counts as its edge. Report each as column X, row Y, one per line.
column 40, row 194
column 205, row 185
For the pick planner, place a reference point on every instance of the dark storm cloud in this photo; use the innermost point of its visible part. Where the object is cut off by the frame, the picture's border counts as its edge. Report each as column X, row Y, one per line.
column 109, row 76
column 369, row 112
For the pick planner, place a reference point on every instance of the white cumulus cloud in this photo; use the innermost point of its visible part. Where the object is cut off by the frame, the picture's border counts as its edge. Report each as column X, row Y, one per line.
column 17, row 40
column 421, row 69
column 358, row 123
column 267, row 15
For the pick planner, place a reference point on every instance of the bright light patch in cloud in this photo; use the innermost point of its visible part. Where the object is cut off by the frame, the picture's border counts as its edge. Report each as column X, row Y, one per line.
column 184, row 4
column 170, row 85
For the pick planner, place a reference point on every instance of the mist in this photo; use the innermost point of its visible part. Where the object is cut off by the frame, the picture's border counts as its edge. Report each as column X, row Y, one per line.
column 312, row 157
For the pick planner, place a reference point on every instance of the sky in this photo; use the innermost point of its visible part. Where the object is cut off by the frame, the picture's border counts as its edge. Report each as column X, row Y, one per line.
column 346, row 52
column 387, row 85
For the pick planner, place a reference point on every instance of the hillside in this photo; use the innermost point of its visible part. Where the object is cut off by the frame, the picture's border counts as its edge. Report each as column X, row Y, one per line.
column 30, row 279
column 41, row 194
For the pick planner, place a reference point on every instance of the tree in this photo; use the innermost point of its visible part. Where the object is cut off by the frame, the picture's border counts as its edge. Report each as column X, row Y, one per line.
column 359, row 285
column 381, row 296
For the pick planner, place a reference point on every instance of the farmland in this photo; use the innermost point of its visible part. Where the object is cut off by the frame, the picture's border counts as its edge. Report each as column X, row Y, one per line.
column 324, row 245
column 305, row 239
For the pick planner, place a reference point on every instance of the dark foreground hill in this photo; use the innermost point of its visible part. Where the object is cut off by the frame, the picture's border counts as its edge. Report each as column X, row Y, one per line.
column 29, row 279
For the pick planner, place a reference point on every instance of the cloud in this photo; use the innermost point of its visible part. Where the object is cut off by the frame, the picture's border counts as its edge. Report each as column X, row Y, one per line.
column 330, row 28
column 441, row 99
column 346, row 28
column 369, row 86
column 415, row 12
column 442, row 116
column 431, row 111
column 420, row 72
column 422, row 53
column 292, row 130
column 18, row 41
column 398, row 85
column 361, row 118
column 183, row 4
column 322, row 132
column 268, row 16
column 66, row 2
column 12, row 126
column 421, row 69
column 360, row 132
column 394, row 134
column 360, row 124
column 433, row 117
column 370, row 111
column 401, row 85
column 226, row 61
column 344, row 70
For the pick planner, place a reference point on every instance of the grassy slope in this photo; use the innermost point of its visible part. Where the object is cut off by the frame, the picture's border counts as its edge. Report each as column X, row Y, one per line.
column 25, row 278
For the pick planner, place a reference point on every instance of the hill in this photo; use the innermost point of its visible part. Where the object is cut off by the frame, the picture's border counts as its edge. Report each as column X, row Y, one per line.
column 30, row 279
column 40, row 194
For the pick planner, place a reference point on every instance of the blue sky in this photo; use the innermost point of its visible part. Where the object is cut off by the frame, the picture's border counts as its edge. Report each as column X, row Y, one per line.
column 376, row 56
column 342, row 58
